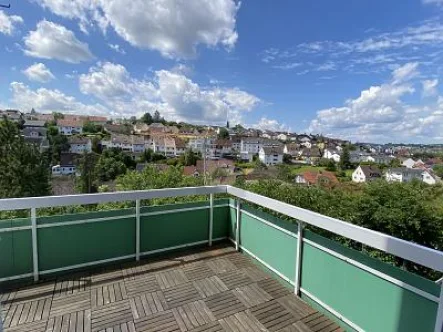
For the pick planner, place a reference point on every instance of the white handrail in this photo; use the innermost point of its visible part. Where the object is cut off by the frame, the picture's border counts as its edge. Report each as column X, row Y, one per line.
column 410, row 251
column 119, row 196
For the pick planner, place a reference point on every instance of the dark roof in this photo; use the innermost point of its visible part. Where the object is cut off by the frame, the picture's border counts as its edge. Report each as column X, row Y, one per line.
column 319, row 177
column 67, row 159
column 34, row 123
column 312, row 152
column 28, row 131
column 78, row 140
column 370, row 171
column 272, row 150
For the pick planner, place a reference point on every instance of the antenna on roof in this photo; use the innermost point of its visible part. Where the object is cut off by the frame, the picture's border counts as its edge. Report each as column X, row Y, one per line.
column 5, row 6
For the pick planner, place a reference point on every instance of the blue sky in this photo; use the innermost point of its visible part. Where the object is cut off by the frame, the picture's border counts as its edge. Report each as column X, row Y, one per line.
column 362, row 70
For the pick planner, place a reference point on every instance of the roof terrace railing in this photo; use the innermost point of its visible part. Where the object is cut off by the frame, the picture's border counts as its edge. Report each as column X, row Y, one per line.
column 418, row 254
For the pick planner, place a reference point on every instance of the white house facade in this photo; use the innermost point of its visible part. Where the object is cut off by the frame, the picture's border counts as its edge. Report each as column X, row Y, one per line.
column 271, row 155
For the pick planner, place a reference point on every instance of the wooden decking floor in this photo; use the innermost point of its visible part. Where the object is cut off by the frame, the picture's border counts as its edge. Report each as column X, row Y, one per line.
column 205, row 289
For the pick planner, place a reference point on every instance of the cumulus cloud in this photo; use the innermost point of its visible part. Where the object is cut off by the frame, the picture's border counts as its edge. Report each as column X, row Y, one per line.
column 54, row 41
column 429, row 87
column 175, row 95
column 380, row 114
column 270, row 124
column 47, row 100
column 38, row 72
column 8, row 24
column 174, row 28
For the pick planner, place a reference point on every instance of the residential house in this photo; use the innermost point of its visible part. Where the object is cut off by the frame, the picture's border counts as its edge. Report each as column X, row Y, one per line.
column 254, row 144
column 220, row 148
column 359, row 156
column 365, row 173
column 97, row 120
column 34, row 132
column 212, row 165
column 141, row 128
column 310, row 155
column 282, row 137
column 321, row 178
column 180, row 146
column 12, row 115
column 172, row 130
column 69, row 127
column 292, row 149
column 404, row 174
column 269, row 155
column 382, row 159
column 408, row 162
column 235, row 143
column 79, row 145
column 331, row 154
column 34, row 124
column 127, row 143
column 41, row 142
column 66, row 167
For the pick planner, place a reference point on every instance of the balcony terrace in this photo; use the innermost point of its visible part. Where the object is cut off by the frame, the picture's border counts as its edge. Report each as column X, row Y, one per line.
column 216, row 265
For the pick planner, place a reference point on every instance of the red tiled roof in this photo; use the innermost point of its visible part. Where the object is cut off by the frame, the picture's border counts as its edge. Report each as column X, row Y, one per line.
column 314, row 177
column 69, row 123
column 189, row 170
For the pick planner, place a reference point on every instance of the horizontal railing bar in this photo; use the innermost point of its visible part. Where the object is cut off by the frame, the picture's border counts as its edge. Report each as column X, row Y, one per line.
column 410, row 251
column 9, row 204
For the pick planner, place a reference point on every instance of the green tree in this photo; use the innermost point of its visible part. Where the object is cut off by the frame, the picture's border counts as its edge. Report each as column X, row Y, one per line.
column 190, row 158
column 345, row 159
column 438, row 170
column 91, row 128
column 112, row 163
column 223, row 133
column 96, row 145
column 24, row 171
column 158, row 118
column 331, row 167
column 147, row 156
column 87, row 182
column 147, row 118
column 58, row 144
column 287, row 158
column 58, row 115
column 395, row 163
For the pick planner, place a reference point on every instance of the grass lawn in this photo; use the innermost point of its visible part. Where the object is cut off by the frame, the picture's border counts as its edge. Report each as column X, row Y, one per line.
column 300, row 169
column 349, row 172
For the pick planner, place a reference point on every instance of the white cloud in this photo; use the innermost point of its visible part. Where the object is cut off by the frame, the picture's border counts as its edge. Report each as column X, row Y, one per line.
column 270, row 124
column 38, row 72
column 47, row 100
column 380, row 114
column 117, row 48
column 433, row 2
column 174, row 28
column 54, row 41
column 429, row 87
column 172, row 93
column 288, row 66
column 405, row 73
column 8, row 23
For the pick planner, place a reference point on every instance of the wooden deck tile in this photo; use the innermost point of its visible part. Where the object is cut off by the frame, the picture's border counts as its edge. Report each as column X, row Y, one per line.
column 294, row 305
column 224, row 304
column 192, row 315
column 30, row 327
column 234, row 279
column 211, row 327
column 111, row 315
column 67, row 304
column 272, row 315
column 108, row 293
column 159, row 322
column 273, row 288
column 171, row 278
column 221, row 265
column 251, row 295
column 317, row 322
column 28, row 312
column 181, row 294
column 147, row 304
column 209, row 286
column 242, row 322
column 79, row 321
column 146, row 283
column 198, row 270
column 72, row 285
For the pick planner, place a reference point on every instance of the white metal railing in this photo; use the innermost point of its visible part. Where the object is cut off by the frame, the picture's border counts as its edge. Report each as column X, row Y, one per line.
column 410, row 251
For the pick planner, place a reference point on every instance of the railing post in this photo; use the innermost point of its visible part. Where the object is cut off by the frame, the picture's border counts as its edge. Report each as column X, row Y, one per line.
column 211, row 217
column 439, row 320
column 34, row 243
column 298, row 261
column 137, row 230
column 237, row 227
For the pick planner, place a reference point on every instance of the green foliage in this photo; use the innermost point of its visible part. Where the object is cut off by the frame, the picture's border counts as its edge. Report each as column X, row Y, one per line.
column 190, row 158
column 395, row 163
column 91, row 128
column 58, row 144
column 345, row 159
column 24, row 171
column 147, row 118
column 331, row 167
column 112, row 163
column 223, row 133
column 87, row 183
column 58, row 115
column 287, row 158
column 403, row 210
column 284, row 173
column 96, row 145
column 158, row 118
column 438, row 170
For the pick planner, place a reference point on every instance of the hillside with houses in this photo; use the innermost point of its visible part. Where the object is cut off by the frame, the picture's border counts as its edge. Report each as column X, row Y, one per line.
column 219, row 154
